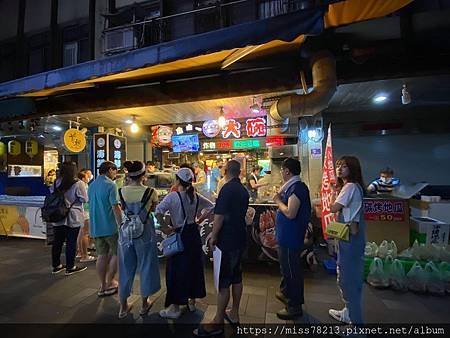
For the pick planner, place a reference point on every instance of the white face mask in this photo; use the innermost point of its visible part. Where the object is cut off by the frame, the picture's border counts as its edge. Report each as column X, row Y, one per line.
column 386, row 180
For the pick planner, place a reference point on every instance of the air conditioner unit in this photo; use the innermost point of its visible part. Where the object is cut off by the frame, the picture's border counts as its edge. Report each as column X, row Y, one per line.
column 283, row 151
column 120, row 40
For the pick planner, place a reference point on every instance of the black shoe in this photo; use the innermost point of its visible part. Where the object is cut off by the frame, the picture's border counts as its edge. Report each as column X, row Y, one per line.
column 58, row 269
column 289, row 315
column 282, row 298
column 75, row 269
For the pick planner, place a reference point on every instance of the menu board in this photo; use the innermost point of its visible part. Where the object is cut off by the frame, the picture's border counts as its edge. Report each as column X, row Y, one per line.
column 108, row 147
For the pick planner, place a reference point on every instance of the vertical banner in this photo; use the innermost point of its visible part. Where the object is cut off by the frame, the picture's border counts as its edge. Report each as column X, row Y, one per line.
column 328, row 179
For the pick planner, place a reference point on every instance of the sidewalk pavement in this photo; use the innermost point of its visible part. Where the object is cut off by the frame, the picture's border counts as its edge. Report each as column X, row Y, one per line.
column 29, row 293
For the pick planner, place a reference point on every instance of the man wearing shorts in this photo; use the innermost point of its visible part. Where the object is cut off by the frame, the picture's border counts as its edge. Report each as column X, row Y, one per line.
column 229, row 234
column 105, row 217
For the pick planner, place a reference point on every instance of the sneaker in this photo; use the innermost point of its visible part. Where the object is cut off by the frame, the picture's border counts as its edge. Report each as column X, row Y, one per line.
column 340, row 315
column 58, row 269
column 88, row 259
column 170, row 313
column 75, row 269
column 289, row 314
column 281, row 297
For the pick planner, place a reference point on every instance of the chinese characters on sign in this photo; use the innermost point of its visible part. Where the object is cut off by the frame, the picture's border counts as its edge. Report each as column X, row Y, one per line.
column 384, row 210
column 232, row 127
column 256, row 127
column 109, row 147
column 328, row 179
column 209, row 146
column 74, row 140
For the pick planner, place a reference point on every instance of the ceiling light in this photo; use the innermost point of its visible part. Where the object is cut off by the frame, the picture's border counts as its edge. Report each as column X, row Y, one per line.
column 379, row 98
column 57, row 128
column 221, row 120
column 129, row 121
column 165, row 150
column 255, row 108
column 134, row 128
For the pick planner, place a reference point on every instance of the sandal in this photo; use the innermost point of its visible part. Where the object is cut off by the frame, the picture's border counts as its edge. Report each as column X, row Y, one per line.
column 107, row 292
column 202, row 332
column 228, row 319
column 144, row 311
column 125, row 313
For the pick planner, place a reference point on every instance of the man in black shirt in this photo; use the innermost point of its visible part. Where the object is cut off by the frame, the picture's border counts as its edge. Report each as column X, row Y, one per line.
column 230, row 236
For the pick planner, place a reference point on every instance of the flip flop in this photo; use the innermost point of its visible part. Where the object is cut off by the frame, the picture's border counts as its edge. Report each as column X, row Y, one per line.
column 201, row 332
column 107, row 292
column 122, row 315
column 228, row 319
column 144, row 311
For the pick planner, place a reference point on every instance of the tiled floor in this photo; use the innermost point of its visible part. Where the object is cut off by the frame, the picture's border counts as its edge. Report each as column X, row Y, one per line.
column 30, row 294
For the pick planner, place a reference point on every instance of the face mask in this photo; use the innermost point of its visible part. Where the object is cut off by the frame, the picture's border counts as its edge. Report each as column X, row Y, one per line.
column 386, row 180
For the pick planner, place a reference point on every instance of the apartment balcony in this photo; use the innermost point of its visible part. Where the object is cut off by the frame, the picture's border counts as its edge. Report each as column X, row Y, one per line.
column 137, row 26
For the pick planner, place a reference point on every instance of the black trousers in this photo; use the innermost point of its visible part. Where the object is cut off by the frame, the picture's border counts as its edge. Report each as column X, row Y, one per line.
column 69, row 235
column 292, row 284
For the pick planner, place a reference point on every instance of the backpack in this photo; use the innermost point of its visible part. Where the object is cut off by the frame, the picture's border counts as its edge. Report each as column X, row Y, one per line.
column 135, row 220
column 55, row 208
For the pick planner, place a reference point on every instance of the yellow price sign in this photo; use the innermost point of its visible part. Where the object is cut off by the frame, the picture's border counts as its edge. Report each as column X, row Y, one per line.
column 74, row 140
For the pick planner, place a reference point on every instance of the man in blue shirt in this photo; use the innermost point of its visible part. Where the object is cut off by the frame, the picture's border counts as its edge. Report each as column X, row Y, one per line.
column 293, row 216
column 385, row 184
column 105, row 218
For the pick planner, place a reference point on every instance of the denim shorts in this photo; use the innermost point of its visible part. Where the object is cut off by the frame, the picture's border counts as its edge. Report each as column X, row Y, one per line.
column 230, row 268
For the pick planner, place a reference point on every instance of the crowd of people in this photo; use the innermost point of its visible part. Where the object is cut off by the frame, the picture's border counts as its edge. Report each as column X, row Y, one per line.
column 120, row 222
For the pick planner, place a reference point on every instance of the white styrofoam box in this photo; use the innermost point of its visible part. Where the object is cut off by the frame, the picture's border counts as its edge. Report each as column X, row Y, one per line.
column 437, row 231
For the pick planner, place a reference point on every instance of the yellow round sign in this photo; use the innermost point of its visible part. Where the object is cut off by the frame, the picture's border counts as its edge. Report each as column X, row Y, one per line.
column 74, row 140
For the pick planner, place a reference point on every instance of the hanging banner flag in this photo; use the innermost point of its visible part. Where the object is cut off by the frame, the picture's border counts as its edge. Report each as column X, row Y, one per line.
column 328, row 179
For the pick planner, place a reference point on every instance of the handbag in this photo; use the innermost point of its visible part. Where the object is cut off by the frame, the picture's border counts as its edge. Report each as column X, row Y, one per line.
column 339, row 230
column 173, row 244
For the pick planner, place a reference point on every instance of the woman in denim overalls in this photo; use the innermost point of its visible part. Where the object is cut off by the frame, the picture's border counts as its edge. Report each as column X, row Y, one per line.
column 350, row 260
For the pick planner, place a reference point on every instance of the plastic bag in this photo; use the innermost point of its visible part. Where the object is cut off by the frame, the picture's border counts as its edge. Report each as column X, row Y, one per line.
column 392, row 249
column 377, row 277
column 371, row 249
column 444, row 269
column 417, row 279
column 383, row 249
column 398, row 276
column 387, row 266
column 435, row 284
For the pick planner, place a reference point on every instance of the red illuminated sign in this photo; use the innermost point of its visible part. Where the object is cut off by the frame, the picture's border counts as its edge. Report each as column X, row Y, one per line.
column 232, row 127
column 256, row 127
column 274, row 141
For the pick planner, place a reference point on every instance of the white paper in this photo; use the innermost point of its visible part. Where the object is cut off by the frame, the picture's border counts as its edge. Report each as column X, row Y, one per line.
column 217, row 259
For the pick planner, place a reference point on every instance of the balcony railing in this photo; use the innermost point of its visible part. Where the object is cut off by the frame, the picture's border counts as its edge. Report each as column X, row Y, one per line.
column 208, row 16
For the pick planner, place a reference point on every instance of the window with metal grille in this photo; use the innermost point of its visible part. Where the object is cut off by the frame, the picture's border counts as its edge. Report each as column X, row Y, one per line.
column 70, row 54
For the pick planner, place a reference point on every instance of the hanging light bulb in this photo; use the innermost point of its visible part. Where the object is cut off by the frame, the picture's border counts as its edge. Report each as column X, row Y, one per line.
column 134, row 128
column 221, row 120
column 255, row 106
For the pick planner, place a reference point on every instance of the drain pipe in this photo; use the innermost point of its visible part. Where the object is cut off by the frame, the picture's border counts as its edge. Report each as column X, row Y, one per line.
column 323, row 66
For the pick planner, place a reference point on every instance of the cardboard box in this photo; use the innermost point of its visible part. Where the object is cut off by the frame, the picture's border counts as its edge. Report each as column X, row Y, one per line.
column 437, row 232
column 387, row 219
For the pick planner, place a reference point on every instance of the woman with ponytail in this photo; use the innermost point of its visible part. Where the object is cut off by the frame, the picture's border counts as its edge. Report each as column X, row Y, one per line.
column 185, row 280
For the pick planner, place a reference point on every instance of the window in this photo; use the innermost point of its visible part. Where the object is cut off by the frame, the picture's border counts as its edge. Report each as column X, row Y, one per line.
column 37, row 61
column 270, row 8
column 70, row 54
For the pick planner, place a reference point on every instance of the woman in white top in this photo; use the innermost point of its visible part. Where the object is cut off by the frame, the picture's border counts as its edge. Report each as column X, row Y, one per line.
column 350, row 260
column 185, row 280
column 67, row 230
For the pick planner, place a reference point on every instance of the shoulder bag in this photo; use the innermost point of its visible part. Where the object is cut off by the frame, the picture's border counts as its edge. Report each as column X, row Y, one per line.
column 173, row 244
